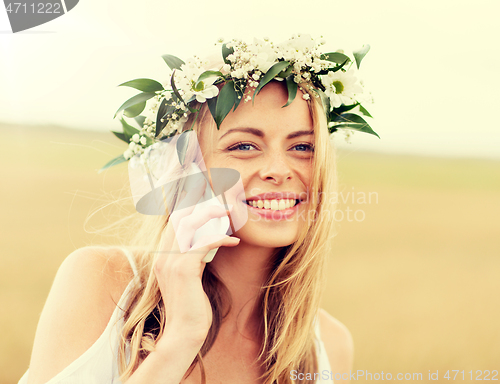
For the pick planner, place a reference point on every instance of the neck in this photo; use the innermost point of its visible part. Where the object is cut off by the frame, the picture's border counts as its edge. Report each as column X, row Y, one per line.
column 243, row 270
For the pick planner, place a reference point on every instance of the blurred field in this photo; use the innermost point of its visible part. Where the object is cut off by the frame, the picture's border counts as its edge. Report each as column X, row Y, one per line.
column 415, row 278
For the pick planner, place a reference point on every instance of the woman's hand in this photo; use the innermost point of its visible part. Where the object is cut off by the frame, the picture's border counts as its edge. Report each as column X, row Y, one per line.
column 179, row 268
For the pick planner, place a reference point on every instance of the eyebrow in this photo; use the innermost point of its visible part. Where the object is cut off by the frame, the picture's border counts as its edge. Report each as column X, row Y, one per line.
column 259, row 133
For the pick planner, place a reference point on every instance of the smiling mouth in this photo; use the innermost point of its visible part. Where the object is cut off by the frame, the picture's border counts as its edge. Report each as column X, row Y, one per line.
column 273, row 205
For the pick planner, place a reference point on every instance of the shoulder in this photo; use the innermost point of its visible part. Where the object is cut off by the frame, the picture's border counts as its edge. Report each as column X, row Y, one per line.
column 94, row 274
column 81, row 301
column 338, row 344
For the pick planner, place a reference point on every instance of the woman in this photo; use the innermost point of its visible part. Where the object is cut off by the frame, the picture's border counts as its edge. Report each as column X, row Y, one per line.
column 252, row 314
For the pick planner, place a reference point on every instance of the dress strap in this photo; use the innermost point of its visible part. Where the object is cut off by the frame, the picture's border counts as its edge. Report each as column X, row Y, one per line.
column 316, row 326
column 131, row 260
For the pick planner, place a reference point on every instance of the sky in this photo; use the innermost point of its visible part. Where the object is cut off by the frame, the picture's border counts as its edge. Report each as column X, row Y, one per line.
column 433, row 67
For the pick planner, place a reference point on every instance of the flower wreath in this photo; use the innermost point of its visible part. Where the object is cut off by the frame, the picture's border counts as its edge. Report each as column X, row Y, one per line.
column 297, row 61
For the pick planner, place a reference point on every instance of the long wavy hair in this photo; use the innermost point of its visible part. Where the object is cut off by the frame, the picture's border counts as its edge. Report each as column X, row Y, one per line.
column 289, row 301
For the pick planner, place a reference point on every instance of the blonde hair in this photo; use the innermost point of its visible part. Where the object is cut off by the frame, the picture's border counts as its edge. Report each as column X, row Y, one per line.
column 289, row 300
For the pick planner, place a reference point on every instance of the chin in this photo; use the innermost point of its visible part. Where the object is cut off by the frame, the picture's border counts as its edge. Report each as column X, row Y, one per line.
column 268, row 236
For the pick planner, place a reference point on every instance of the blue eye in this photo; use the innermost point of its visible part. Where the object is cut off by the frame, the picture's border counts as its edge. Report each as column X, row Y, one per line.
column 304, row 147
column 241, row 147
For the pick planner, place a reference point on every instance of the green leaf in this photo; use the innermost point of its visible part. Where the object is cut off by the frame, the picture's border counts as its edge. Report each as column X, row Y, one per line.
column 325, row 100
column 271, row 73
column 174, row 88
column 225, row 101
column 121, row 136
column 134, row 110
column 144, row 85
column 212, row 104
column 285, row 73
column 173, row 62
column 205, row 75
column 140, row 120
column 349, row 118
column 364, row 111
column 343, row 108
column 226, row 52
column 240, row 87
column 115, row 161
column 335, row 57
column 339, row 67
column 334, row 69
column 162, row 110
column 360, row 53
column 182, row 145
column 358, row 127
column 128, row 130
column 353, row 121
column 291, row 86
column 137, row 99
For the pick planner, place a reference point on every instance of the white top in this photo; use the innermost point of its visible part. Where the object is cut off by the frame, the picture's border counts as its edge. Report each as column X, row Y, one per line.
column 99, row 365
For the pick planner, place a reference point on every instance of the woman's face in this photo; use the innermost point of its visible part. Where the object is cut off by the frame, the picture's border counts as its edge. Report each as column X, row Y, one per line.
column 272, row 149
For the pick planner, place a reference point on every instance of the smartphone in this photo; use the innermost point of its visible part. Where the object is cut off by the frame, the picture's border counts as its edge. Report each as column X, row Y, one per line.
column 215, row 226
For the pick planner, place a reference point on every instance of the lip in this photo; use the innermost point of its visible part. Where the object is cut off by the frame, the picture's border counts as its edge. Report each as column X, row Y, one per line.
column 270, row 214
column 275, row 196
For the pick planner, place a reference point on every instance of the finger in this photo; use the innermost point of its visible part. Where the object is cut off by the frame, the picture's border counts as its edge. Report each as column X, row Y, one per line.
column 207, row 240
column 189, row 225
column 208, row 243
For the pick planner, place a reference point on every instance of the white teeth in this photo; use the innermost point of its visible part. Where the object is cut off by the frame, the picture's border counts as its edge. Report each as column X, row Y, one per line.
column 275, row 205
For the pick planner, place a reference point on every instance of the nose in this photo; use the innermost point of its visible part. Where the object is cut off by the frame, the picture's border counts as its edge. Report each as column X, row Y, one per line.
column 277, row 169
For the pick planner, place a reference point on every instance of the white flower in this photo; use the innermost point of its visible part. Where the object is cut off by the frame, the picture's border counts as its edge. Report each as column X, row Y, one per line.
column 265, row 60
column 302, row 43
column 297, row 48
column 263, row 55
column 341, row 87
column 128, row 154
column 306, row 96
column 238, row 74
column 206, row 90
column 143, row 140
column 136, row 137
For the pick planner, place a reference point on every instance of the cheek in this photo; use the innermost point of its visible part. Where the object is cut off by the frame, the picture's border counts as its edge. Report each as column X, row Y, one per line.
column 305, row 172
